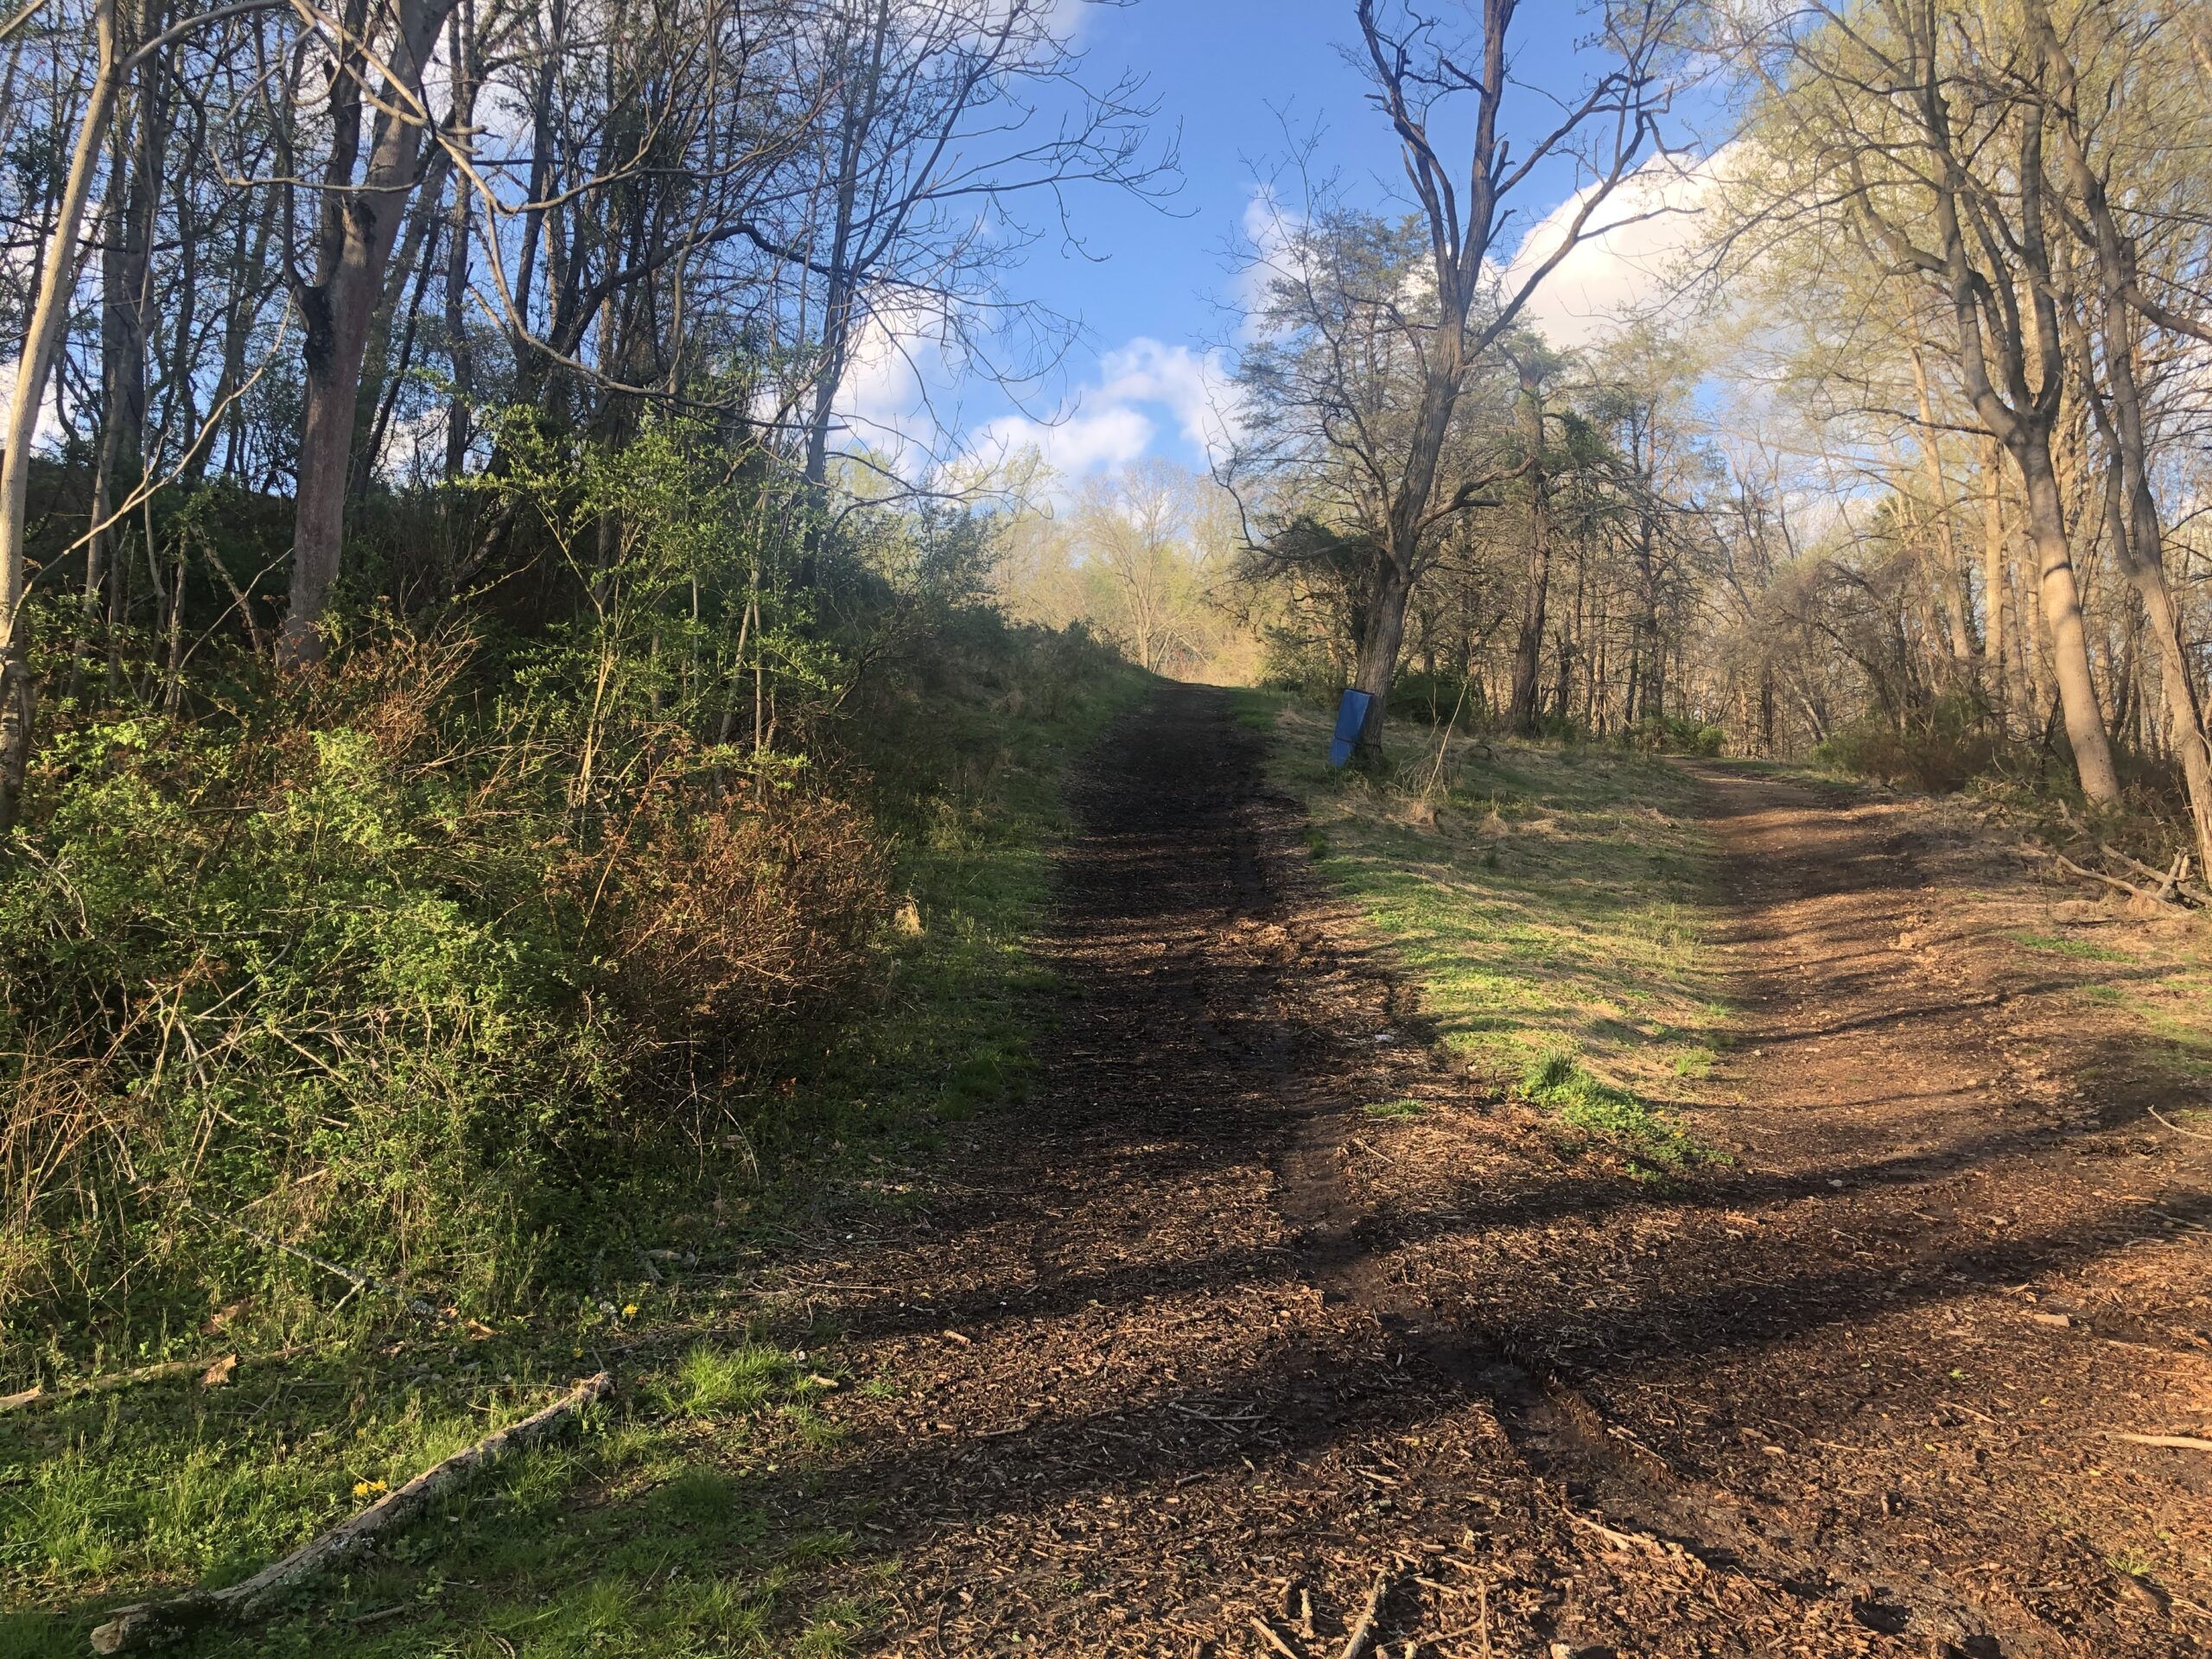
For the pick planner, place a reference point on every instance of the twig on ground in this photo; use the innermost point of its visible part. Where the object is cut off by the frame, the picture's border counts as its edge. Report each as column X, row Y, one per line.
column 2193, row 1134
column 2177, row 1442
column 1267, row 1634
column 153, row 1622
column 212, row 1372
column 1355, row 1644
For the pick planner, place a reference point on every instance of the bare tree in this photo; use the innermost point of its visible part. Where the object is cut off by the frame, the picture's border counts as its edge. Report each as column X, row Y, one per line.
column 1429, row 326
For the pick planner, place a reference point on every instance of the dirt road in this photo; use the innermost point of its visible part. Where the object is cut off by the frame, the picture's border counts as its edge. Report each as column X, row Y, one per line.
column 1199, row 1341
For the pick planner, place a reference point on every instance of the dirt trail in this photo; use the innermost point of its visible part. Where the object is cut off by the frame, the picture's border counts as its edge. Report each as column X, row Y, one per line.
column 1198, row 1341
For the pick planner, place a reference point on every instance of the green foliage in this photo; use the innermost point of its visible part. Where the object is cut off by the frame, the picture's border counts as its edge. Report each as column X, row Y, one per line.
column 1676, row 734
column 378, row 974
column 433, row 963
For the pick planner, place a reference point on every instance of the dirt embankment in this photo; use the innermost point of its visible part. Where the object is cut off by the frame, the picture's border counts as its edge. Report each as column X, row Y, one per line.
column 1200, row 1340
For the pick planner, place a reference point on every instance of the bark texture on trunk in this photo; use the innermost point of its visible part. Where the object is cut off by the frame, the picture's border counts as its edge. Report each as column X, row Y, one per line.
column 360, row 223
column 2069, row 648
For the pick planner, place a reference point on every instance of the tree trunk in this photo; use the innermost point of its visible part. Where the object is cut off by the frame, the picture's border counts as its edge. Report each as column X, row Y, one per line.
column 2062, row 609
column 1521, row 711
column 1994, row 581
column 360, row 226
column 1378, row 654
column 42, row 340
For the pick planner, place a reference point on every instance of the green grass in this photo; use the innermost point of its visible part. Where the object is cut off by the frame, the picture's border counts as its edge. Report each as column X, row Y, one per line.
column 1652, row 1142
column 1393, row 1111
column 2081, row 950
column 1552, row 903
column 685, row 1518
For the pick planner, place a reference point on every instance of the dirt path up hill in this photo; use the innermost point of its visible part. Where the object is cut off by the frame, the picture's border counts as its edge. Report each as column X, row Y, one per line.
column 1198, row 1341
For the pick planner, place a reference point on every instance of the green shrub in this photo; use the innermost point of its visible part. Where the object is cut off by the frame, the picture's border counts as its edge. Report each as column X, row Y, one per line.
column 366, row 975
column 1676, row 734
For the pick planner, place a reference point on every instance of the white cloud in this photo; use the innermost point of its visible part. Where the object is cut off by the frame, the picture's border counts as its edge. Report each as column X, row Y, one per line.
column 1081, row 443
column 1112, row 421
column 1270, row 232
column 1645, row 228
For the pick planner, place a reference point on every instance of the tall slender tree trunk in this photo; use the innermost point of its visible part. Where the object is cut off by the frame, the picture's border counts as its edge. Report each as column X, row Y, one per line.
column 42, row 340
column 1994, row 583
column 1527, row 650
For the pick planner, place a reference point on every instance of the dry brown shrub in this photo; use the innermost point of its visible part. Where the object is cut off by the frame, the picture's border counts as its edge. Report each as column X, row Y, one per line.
column 732, row 922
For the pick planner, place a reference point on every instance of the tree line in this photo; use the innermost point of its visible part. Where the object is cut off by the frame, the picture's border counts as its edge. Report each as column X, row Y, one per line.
column 1910, row 446
column 336, row 255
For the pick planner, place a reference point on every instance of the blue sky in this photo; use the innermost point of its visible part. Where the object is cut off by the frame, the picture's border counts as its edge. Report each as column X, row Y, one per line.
column 1238, row 82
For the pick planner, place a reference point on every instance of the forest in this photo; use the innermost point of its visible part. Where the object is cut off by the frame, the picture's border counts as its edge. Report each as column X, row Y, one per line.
column 678, row 970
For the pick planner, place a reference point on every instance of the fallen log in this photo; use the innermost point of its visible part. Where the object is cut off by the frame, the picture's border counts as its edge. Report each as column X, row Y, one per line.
column 152, row 1622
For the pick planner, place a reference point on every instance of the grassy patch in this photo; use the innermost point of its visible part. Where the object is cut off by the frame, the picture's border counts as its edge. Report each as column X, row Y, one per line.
column 1548, row 901
column 1646, row 1137
column 1391, row 1111
column 1256, row 710
column 2081, row 950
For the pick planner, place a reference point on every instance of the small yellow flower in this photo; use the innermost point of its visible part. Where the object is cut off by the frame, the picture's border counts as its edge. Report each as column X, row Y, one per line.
column 577, row 1352
column 368, row 1488
column 629, row 1310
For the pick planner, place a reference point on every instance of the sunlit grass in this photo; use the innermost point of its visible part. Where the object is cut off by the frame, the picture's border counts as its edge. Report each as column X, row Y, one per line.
column 1547, row 901
column 1648, row 1136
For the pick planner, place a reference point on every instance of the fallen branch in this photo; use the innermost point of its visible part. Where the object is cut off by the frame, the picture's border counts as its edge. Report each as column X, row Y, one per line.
column 1267, row 1634
column 2089, row 875
column 2192, row 1134
column 1355, row 1644
column 2171, row 889
column 2178, row 1442
column 213, row 1372
column 2169, row 881
column 160, row 1621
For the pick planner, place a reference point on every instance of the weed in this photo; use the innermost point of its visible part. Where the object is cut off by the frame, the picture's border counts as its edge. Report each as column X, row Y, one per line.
column 1695, row 1063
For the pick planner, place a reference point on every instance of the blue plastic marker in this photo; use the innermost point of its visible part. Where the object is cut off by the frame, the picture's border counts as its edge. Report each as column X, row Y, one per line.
column 1352, row 715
